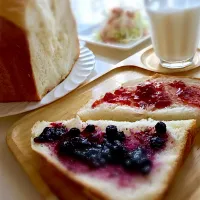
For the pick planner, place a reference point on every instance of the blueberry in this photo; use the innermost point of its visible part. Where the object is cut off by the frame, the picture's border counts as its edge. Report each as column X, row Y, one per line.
column 93, row 151
column 46, row 135
column 106, row 153
column 97, row 145
column 80, row 154
column 137, row 153
column 160, row 128
column 90, row 128
column 105, row 140
column 121, row 136
column 50, row 134
column 97, row 162
column 117, row 143
column 94, row 157
column 157, row 142
column 66, row 147
column 129, row 164
column 138, row 161
column 111, row 132
column 116, row 147
column 146, row 167
column 73, row 132
column 111, row 129
column 79, row 142
column 118, row 151
column 108, row 144
column 85, row 142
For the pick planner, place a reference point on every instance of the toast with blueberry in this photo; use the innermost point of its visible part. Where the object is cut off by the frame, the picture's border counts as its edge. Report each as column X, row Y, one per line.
column 158, row 97
column 115, row 160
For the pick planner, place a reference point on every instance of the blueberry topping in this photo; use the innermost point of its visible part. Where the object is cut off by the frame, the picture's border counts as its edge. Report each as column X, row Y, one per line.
column 73, row 132
column 137, row 160
column 136, row 155
column 111, row 132
column 59, row 132
column 157, row 142
column 66, row 147
column 90, row 128
column 106, row 153
column 80, row 154
column 146, row 169
column 117, row 151
column 160, row 128
column 97, row 148
column 94, row 157
column 79, row 142
column 121, row 136
column 128, row 164
column 50, row 134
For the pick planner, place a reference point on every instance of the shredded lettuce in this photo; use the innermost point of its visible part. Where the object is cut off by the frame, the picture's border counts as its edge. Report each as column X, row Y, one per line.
column 125, row 34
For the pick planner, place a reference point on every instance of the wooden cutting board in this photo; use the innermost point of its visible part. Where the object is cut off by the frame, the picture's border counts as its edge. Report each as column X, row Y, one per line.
column 186, row 185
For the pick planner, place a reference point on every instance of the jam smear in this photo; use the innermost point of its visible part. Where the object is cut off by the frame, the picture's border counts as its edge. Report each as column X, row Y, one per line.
column 145, row 95
column 121, row 96
column 187, row 94
column 151, row 94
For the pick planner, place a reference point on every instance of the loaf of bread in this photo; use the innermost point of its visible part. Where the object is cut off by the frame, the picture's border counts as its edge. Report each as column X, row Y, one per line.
column 38, row 47
column 112, row 182
column 181, row 103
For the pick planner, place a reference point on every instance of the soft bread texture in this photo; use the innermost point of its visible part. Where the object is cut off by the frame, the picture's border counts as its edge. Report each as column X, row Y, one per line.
column 116, row 112
column 155, row 184
column 39, row 46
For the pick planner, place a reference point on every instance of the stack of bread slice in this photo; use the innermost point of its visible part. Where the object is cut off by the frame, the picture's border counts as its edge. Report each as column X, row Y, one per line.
column 180, row 118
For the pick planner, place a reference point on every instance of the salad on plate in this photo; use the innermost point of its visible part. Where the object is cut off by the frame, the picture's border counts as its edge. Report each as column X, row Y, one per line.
column 123, row 26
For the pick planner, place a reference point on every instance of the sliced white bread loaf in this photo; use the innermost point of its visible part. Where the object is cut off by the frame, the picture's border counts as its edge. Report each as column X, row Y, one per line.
column 176, row 111
column 152, row 186
column 39, row 46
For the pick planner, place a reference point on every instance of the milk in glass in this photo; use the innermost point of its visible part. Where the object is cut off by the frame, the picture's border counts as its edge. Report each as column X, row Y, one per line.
column 174, row 29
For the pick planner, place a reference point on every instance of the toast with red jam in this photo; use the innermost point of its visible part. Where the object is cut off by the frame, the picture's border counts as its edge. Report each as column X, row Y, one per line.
column 158, row 97
column 115, row 160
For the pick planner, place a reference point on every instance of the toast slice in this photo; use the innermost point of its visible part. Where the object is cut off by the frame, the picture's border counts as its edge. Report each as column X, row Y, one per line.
column 118, row 180
column 158, row 97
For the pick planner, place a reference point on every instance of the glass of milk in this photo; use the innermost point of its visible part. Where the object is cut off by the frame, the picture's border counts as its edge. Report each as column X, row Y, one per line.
column 174, row 30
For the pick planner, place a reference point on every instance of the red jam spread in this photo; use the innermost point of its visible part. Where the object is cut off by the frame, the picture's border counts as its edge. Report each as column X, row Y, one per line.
column 108, row 154
column 187, row 94
column 153, row 95
column 143, row 96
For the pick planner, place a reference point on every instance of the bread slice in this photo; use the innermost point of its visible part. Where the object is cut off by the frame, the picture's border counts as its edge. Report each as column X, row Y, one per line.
column 176, row 111
column 39, row 46
column 140, row 187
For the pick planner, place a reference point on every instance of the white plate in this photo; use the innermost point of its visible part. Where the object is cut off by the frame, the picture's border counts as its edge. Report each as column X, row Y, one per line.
column 81, row 70
column 87, row 34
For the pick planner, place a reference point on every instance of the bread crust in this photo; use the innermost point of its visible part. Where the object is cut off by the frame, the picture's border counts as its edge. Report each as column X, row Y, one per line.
column 16, row 77
column 92, row 193
column 17, row 80
column 186, row 148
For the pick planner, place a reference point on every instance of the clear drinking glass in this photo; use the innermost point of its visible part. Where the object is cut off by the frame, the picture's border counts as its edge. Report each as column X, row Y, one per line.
column 174, row 30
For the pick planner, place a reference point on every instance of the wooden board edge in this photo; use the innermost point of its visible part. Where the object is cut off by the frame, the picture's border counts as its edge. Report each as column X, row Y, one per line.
column 42, row 188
